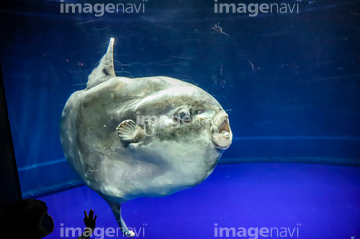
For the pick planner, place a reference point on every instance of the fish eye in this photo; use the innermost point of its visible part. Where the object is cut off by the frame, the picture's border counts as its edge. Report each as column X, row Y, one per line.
column 201, row 111
column 183, row 115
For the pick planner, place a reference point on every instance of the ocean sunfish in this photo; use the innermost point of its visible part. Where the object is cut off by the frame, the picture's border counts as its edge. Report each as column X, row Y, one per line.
column 143, row 137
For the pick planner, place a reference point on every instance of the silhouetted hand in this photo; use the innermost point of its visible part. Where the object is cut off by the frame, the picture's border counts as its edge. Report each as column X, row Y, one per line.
column 90, row 220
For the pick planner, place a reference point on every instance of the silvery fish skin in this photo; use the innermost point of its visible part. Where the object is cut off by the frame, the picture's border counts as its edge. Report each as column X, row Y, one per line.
column 143, row 137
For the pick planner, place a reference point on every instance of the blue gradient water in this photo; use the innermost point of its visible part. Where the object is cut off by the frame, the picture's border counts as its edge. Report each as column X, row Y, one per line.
column 289, row 82
column 315, row 201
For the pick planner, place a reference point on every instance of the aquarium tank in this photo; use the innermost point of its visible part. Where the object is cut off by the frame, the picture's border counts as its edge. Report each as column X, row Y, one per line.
column 283, row 78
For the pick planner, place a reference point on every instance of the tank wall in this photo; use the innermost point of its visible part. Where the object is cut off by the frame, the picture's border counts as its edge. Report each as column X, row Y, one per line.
column 290, row 82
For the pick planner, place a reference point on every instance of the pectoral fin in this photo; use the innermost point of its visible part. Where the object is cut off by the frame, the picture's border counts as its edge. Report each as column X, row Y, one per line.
column 129, row 132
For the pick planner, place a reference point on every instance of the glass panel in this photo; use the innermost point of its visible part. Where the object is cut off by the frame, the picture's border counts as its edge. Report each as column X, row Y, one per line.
column 286, row 74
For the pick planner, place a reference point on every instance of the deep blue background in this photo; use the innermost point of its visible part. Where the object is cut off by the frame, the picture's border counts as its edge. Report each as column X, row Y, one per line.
column 289, row 82
column 318, row 200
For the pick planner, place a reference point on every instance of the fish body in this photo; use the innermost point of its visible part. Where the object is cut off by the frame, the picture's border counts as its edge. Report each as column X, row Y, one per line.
column 142, row 137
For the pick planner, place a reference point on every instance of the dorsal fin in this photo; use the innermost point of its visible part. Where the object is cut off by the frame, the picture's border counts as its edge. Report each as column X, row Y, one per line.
column 105, row 69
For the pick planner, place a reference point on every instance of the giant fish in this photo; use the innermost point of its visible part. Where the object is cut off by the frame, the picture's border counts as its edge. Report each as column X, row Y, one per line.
column 143, row 137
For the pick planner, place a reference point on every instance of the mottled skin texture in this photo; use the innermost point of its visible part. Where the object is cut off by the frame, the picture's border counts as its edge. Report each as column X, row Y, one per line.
column 174, row 152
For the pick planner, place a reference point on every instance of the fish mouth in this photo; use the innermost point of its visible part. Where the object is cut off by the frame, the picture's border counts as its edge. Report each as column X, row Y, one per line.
column 222, row 135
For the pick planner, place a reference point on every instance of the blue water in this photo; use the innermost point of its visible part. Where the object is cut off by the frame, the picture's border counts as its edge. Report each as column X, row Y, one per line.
column 289, row 82
column 310, row 201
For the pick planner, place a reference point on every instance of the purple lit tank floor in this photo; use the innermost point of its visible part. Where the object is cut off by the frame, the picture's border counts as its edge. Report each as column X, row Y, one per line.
column 308, row 200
